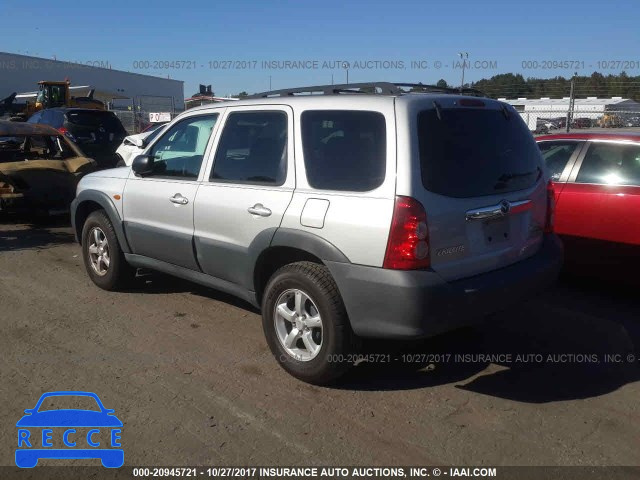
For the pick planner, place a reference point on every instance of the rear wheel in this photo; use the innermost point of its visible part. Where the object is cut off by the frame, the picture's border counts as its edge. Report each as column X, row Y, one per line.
column 103, row 257
column 306, row 324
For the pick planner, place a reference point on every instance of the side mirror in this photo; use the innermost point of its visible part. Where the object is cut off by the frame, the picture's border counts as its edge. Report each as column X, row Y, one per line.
column 142, row 165
column 139, row 142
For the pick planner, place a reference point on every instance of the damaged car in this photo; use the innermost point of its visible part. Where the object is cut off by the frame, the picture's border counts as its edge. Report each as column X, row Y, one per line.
column 39, row 168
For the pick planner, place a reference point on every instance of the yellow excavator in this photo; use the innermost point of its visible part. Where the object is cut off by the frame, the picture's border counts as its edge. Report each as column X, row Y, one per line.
column 50, row 94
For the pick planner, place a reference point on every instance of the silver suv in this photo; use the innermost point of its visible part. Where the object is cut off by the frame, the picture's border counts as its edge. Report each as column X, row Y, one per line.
column 361, row 211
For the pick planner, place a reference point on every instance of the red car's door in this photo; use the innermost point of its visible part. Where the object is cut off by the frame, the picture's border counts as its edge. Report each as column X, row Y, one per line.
column 560, row 156
column 579, row 210
column 602, row 197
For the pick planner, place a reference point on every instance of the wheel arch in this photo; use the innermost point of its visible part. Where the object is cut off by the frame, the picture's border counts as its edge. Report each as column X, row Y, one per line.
column 290, row 246
column 87, row 202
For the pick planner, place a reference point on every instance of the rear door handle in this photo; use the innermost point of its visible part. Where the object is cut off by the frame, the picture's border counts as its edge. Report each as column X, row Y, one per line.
column 179, row 199
column 259, row 209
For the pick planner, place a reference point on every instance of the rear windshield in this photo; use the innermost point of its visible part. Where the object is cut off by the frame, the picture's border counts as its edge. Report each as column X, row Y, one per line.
column 106, row 120
column 476, row 152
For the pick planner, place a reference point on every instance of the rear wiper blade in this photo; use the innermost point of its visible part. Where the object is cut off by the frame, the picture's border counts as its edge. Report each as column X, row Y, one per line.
column 505, row 112
column 507, row 177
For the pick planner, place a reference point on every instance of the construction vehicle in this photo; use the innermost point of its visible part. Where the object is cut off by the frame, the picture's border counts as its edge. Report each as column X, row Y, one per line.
column 610, row 120
column 50, row 94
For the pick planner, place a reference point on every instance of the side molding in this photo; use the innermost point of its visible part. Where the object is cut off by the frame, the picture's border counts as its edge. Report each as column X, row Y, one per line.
column 234, row 289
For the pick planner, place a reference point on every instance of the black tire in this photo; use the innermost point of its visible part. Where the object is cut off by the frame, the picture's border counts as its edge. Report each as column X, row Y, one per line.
column 119, row 274
column 338, row 343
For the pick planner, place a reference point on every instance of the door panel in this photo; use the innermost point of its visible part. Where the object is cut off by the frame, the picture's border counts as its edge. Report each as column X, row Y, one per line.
column 155, row 226
column 602, row 202
column 158, row 209
column 622, row 220
column 250, row 185
column 228, row 237
column 580, row 210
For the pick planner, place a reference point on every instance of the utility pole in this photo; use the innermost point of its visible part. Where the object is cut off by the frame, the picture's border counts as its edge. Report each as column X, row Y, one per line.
column 345, row 65
column 463, row 55
column 572, row 101
column 269, row 82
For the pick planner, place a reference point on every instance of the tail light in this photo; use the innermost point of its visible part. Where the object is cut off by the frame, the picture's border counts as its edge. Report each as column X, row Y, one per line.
column 408, row 245
column 66, row 133
column 551, row 208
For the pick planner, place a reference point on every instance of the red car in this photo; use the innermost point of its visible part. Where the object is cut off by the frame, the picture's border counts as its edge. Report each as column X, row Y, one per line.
column 597, row 193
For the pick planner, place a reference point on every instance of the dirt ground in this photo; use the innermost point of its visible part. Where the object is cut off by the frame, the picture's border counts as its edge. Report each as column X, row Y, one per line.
column 188, row 372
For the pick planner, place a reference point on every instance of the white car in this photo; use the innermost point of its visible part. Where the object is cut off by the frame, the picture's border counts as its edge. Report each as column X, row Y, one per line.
column 134, row 145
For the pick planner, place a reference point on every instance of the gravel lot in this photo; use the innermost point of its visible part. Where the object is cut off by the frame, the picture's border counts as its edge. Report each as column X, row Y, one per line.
column 188, row 372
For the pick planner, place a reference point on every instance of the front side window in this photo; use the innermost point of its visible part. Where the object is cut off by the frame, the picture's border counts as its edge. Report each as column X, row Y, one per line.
column 180, row 150
column 611, row 164
column 344, row 150
column 556, row 155
column 252, row 149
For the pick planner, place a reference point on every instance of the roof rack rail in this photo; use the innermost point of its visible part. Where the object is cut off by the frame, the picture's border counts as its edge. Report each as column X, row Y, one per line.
column 370, row 88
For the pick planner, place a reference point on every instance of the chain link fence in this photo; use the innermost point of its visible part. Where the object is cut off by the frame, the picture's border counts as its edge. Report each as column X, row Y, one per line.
column 145, row 110
column 550, row 121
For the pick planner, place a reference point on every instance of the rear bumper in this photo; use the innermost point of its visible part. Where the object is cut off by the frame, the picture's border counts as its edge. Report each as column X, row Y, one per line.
column 415, row 304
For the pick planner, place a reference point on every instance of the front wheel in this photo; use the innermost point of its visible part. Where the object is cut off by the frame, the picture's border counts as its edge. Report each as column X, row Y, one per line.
column 306, row 324
column 103, row 257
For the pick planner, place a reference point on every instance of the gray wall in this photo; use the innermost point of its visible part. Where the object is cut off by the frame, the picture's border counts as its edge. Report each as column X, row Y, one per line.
column 20, row 73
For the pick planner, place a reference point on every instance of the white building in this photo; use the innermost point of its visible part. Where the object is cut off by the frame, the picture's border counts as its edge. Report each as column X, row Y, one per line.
column 534, row 110
column 21, row 73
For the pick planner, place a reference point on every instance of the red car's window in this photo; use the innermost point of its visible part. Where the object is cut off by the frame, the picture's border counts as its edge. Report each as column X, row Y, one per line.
column 556, row 155
column 611, row 164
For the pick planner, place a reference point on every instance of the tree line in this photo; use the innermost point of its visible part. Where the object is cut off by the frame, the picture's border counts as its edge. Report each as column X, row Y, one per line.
column 512, row 85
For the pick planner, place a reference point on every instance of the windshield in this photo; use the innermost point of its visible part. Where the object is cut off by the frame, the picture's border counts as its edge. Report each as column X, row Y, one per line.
column 476, row 152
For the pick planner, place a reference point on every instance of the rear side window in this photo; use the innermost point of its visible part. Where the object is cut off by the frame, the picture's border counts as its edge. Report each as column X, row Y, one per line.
column 476, row 152
column 97, row 119
column 556, row 155
column 252, row 149
column 344, row 150
column 611, row 164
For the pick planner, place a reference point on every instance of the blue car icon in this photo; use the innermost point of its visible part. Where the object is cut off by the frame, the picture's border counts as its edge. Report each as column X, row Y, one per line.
column 70, row 433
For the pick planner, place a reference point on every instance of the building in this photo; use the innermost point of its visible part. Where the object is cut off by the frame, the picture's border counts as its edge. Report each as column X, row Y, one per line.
column 537, row 110
column 21, row 73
